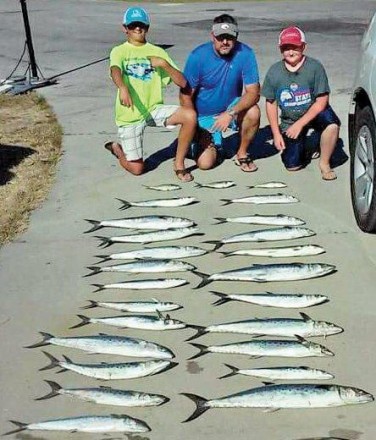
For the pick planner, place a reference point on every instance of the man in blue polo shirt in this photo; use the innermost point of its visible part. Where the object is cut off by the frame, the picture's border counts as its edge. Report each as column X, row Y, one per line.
column 224, row 89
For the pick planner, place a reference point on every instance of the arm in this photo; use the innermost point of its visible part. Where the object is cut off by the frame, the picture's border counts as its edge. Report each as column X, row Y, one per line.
column 124, row 95
column 186, row 97
column 272, row 114
column 177, row 77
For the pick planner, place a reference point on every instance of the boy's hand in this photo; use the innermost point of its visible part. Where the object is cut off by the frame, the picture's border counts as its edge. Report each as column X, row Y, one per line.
column 294, row 130
column 125, row 98
column 279, row 142
column 158, row 62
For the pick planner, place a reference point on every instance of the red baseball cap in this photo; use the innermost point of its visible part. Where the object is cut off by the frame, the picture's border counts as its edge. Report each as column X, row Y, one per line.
column 291, row 35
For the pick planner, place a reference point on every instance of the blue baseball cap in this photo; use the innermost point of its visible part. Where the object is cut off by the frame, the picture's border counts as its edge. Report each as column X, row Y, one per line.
column 136, row 14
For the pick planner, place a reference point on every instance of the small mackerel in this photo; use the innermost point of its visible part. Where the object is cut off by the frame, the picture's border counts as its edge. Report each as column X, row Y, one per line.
column 304, row 250
column 163, row 187
column 106, row 396
column 264, row 199
column 269, row 185
column 257, row 219
column 136, row 306
column 113, row 371
column 161, row 283
column 160, row 203
column 281, row 373
column 217, row 185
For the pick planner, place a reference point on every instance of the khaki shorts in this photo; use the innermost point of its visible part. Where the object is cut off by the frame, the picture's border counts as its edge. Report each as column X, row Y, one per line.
column 131, row 137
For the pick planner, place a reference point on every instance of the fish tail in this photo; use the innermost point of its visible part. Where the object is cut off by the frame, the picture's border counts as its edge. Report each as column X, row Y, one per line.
column 21, row 427
column 125, row 204
column 104, row 258
column 203, row 350
column 91, row 305
column 84, row 321
column 100, row 287
column 227, row 201
column 55, row 387
column 217, row 244
column 220, row 220
column 54, row 362
column 234, row 372
column 201, row 406
column 200, row 331
column 105, row 241
column 45, row 341
column 205, row 279
column 94, row 271
column 251, row 186
column 223, row 298
column 96, row 223
column 198, row 185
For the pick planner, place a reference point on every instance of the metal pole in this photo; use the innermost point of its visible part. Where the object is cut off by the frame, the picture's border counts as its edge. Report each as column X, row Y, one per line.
column 29, row 42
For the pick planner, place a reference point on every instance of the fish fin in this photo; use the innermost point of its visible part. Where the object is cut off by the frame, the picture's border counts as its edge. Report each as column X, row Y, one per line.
column 84, row 321
column 200, row 406
column 217, row 244
column 100, row 287
column 94, row 271
column 155, row 300
column 67, row 359
column 259, row 280
column 306, row 317
column 255, row 357
column 234, row 372
column 227, row 201
column 104, row 258
column 270, row 410
column 223, row 298
column 97, row 225
column 54, row 362
column 250, row 186
column 91, row 305
column 125, row 204
column 220, row 220
column 105, row 387
column 46, row 339
column 302, row 340
column 203, row 350
column 55, row 387
column 105, row 241
column 205, row 280
column 269, row 293
column 200, row 331
column 268, row 383
column 21, row 427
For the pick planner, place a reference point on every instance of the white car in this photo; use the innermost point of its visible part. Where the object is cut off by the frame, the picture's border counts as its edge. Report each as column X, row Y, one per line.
column 362, row 134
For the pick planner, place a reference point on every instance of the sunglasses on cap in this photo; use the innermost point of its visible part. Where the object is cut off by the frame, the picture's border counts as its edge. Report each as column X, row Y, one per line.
column 137, row 24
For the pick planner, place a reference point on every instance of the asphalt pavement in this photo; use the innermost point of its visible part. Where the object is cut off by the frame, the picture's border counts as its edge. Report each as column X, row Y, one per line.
column 41, row 272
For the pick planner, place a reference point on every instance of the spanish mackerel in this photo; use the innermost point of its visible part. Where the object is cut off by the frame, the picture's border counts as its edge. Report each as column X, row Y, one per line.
column 260, row 235
column 274, row 397
column 156, row 253
column 150, row 237
column 281, row 373
column 269, row 185
column 109, row 344
column 160, row 283
column 217, row 185
column 160, row 203
column 99, row 424
column 163, row 187
column 263, row 199
column 135, row 306
column 105, row 371
column 305, row 327
column 261, row 273
column 157, row 222
column 257, row 219
column 269, row 299
column 256, row 349
column 304, row 250
column 106, row 396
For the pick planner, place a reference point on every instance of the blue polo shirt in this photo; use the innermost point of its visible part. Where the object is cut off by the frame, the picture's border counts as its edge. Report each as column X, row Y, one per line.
column 218, row 80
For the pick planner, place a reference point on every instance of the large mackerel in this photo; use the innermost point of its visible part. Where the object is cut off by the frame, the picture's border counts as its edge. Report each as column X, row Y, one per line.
column 106, row 396
column 158, row 222
column 304, row 250
column 145, row 266
column 257, row 219
column 274, row 397
column 305, row 327
column 109, row 344
column 150, row 237
column 269, row 299
column 135, row 306
column 264, row 199
column 156, row 253
column 111, row 371
column 261, row 273
column 99, row 424
column 160, row 203
column 160, row 283
column 281, row 373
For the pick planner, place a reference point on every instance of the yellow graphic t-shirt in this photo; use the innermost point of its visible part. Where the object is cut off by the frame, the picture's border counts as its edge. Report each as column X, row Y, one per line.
column 145, row 83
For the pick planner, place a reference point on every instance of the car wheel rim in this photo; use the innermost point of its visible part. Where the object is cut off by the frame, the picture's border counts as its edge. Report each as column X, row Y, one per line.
column 364, row 169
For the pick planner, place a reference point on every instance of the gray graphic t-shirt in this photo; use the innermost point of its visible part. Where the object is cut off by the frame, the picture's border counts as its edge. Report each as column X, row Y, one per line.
column 295, row 92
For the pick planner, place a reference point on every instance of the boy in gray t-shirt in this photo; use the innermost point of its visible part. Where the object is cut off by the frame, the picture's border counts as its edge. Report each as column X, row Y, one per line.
column 298, row 86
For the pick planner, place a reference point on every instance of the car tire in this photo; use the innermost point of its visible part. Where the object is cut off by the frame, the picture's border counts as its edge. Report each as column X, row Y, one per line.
column 363, row 169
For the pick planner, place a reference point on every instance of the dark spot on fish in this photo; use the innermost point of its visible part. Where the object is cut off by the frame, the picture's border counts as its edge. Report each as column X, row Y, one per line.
column 348, row 434
column 193, row 367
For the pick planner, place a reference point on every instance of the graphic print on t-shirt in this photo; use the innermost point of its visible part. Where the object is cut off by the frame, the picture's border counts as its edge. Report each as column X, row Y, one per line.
column 294, row 97
column 139, row 68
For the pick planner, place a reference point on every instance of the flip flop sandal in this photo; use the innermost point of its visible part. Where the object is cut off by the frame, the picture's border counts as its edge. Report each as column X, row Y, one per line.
column 245, row 161
column 184, row 175
column 109, row 147
column 328, row 175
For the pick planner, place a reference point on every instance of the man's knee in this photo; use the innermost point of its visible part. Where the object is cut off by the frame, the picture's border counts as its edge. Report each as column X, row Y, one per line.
column 189, row 115
column 207, row 159
column 253, row 115
column 135, row 167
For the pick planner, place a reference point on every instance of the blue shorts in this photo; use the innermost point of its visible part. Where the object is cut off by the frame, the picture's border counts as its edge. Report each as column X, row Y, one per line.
column 295, row 153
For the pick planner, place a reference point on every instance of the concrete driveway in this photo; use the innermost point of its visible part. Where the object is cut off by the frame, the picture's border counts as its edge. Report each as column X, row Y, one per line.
column 41, row 272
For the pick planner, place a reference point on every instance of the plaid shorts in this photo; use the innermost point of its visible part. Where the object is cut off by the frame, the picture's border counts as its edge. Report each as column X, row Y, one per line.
column 131, row 137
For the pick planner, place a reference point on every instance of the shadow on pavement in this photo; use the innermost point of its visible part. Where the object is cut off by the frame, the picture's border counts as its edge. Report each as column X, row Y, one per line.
column 10, row 156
